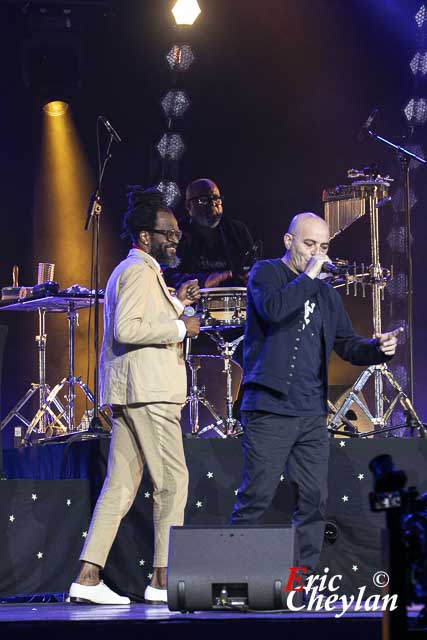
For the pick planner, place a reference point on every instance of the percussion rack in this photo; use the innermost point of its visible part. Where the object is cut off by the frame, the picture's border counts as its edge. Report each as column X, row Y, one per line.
column 51, row 414
column 372, row 192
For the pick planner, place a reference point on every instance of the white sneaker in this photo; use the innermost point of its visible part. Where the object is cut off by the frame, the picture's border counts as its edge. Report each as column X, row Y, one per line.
column 155, row 596
column 97, row 594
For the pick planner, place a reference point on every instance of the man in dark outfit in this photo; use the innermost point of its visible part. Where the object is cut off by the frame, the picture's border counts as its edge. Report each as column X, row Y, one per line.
column 294, row 320
column 215, row 249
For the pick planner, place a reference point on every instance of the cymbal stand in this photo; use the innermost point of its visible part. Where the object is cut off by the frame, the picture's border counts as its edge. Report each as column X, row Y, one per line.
column 227, row 349
column 373, row 188
column 66, row 413
column 197, row 396
column 41, row 422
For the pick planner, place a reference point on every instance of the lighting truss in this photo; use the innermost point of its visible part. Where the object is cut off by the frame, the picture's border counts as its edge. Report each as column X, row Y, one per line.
column 171, row 192
column 175, row 103
column 180, row 57
column 171, row 146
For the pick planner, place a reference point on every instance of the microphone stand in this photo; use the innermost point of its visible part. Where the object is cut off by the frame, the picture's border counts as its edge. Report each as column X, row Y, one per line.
column 404, row 156
column 93, row 216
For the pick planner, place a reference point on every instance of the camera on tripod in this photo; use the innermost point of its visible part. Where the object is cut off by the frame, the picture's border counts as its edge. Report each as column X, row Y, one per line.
column 407, row 523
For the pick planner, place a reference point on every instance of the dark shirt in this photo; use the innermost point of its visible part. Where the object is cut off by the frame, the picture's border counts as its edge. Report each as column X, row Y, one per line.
column 202, row 251
column 308, row 393
column 275, row 299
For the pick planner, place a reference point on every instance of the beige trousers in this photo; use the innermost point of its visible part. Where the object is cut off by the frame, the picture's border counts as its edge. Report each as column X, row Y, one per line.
column 142, row 434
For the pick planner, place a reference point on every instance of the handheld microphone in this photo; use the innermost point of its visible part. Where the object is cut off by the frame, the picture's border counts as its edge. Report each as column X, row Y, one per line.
column 189, row 312
column 362, row 133
column 111, row 130
column 335, row 269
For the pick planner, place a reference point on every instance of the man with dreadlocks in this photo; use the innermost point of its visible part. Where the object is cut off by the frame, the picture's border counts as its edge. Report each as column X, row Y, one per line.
column 143, row 377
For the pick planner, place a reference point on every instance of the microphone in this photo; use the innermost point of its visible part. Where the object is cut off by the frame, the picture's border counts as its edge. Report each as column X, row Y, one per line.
column 335, row 269
column 362, row 133
column 111, row 130
column 189, row 312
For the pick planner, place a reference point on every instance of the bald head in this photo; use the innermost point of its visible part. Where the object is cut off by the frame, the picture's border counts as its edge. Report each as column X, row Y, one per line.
column 204, row 203
column 198, row 187
column 307, row 236
column 307, row 221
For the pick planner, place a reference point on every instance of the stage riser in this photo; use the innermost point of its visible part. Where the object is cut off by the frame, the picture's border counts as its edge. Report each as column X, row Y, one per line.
column 54, row 528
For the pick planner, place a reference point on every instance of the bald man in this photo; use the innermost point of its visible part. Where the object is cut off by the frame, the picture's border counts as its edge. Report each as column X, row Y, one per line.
column 215, row 249
column 294, row 321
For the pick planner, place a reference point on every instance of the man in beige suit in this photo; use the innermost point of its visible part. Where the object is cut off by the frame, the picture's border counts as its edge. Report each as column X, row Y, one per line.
column 143, row 377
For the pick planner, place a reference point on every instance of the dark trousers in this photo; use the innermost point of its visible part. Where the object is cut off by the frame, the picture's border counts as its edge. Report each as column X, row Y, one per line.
column 299, row 446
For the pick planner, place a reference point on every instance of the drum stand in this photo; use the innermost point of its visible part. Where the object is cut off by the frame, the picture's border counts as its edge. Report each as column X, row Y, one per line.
column 71, row 381
column 40, row 420
column 196, row 397
column 372, row 190
column 223, row 427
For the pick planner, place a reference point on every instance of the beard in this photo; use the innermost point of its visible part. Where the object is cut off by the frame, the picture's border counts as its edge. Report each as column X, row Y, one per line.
column 165, row 258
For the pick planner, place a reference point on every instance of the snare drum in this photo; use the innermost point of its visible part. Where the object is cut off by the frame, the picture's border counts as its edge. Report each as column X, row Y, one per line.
column 222, row 307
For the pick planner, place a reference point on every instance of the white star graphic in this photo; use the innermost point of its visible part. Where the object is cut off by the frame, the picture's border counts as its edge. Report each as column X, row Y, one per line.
column 282, row 477
column 147, row 494
column 34, row 496
column 84, row 534
column 39, row 555
column 360, row 476
column 236, row 491
column 342, row 443
column 355, row 567
column 344, row 498
column 199, row 504
column 149, row 576
column 12, row 518
column 141, row 562
column 209, row 474
column 68, row 502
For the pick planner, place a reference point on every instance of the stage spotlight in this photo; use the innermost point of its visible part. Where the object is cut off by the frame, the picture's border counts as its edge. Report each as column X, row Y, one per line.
column 418, row 63
column 175, row 104
column 180, row 57
column 171, row 146
column 397, row 288
column 421, row 15
column 396, row 239
column 170, row 191
column 398, row 199
column 417, row 149
column 186, row 12
column 416, row 111
column 56, row 108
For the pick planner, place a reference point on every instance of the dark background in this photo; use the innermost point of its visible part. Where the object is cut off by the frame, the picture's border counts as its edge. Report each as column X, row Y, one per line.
column 279, row 91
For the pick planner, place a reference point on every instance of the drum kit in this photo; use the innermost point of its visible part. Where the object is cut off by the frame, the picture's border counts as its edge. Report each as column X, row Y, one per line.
column 220, row 310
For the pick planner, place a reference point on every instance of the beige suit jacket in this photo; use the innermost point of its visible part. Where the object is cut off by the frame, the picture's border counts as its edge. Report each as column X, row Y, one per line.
column 141, row 358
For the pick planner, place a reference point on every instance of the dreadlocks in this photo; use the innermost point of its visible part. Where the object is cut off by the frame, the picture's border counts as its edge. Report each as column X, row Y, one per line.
column 143, row 205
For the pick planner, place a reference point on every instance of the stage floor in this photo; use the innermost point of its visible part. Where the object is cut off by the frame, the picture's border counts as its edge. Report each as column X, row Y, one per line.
column 43, row 522
column 68, row 620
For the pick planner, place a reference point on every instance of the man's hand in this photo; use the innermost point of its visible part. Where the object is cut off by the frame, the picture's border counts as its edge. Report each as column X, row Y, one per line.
column 215, row 279
column 314, row 265
column 387, row 342
column 189, row 292
column 192, row 324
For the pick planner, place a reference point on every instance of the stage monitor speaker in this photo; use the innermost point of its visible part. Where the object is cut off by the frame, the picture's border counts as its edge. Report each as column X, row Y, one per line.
column 225, row 567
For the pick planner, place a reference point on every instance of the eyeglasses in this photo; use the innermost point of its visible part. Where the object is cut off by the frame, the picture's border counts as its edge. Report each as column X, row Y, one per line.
column 206, row 200
column 172, row 235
